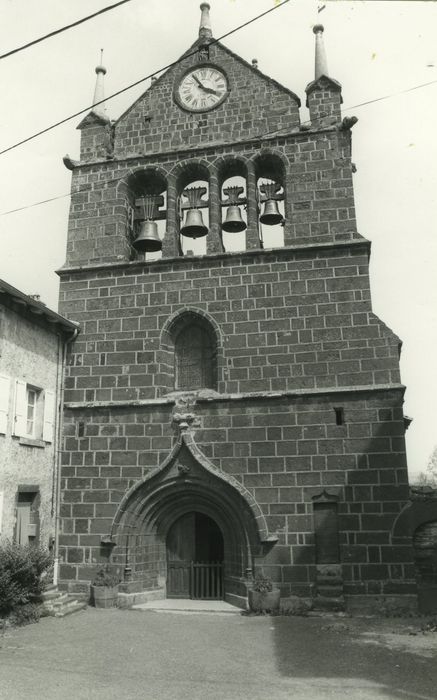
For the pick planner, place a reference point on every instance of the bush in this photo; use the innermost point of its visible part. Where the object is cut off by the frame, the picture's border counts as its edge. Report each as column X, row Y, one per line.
column 25, row 614
column 22, row 572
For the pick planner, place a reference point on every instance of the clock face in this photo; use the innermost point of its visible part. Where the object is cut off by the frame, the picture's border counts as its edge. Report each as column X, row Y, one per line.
column 202, row 88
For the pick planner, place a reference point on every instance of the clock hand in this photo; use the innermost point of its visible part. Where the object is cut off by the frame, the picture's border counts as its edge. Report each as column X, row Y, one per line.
column 198, row 81
column 209, row 90
column 203, row 87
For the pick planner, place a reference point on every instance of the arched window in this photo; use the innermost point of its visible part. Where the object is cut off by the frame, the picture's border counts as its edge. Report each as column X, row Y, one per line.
column 195, row 357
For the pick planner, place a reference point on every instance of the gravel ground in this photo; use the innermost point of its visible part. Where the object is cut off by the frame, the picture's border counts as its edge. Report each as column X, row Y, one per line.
column 105, row 654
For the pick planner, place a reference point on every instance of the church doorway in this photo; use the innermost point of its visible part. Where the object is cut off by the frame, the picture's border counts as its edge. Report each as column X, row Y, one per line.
column 195, row 553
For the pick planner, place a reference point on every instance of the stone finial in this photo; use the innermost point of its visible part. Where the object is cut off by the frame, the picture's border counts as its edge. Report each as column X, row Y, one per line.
column 205, row 31
column 321, row 64
column 255, row 62
column 99, row 92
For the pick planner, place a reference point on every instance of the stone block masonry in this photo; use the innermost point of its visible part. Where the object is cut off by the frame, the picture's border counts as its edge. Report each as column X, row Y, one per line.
column 318, row 191
column 288, row 320
column 255, row 390
column 297, row 342
column 286, row 451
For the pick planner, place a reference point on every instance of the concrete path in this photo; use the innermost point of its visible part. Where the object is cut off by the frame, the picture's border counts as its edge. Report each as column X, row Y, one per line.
column 127, row 655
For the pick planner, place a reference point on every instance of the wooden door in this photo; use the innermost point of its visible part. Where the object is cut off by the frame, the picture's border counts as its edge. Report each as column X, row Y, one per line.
column 23, row 522
column 181, row 547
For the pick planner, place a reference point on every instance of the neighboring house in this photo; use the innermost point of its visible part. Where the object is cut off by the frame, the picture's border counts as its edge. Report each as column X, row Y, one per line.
column 238, row 409
column 33, row 340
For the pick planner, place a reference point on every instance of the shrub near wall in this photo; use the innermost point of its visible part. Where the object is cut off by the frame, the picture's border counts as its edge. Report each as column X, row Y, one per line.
column 22, row 579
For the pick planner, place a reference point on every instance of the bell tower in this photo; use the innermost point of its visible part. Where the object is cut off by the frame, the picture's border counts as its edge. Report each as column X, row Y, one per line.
column 229, row 368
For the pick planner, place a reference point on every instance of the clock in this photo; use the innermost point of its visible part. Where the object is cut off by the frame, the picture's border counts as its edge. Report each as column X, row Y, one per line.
column 202, row 88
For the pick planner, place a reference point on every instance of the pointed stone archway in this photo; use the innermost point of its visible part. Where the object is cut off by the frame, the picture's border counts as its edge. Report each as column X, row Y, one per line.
column 187, row 482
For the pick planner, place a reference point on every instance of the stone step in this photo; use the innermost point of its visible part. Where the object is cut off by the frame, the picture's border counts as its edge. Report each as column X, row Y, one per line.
column 50, row 593
column 59, row 601
column 70, row 608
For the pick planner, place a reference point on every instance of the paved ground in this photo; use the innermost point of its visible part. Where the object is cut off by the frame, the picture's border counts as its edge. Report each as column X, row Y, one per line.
column 116, row 654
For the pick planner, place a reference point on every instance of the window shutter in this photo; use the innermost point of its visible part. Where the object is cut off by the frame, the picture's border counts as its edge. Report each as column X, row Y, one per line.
column 20, row 422
column 4, row 402
column 49, row 415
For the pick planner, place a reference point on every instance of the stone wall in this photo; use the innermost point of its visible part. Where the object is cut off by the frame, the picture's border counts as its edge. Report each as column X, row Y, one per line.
column 285, row 320
column 284, row 450
column 319, row 202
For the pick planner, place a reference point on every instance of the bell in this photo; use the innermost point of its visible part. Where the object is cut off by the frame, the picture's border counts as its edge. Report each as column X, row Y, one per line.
column 194, row 226
column 271, row 214
column 148, row 240
column 234, row 221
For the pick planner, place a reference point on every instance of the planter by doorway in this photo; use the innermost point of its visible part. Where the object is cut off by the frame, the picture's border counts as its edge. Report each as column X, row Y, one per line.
column 104, row 588
column 105, row 597
column 264, row 602
column 263, row 597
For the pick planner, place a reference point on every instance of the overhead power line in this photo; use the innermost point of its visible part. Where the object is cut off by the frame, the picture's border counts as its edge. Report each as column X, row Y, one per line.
column 273, row 133
column 142, row 80
column 63, row 29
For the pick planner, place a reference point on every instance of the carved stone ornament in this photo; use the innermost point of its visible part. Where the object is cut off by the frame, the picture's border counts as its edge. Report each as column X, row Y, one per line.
column 183, row 469
column 184, row 415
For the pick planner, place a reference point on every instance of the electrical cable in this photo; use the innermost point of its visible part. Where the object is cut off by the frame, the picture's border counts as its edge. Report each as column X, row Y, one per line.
column 141, row 80
column 62, row 29
column 265, row 134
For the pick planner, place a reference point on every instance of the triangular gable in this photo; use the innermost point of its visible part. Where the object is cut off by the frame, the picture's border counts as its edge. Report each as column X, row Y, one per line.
column 192, row 51
column 255, row 106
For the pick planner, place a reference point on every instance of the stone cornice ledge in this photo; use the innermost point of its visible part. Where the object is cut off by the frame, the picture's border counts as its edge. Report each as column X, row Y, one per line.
column 247, row 396
column 253, row 252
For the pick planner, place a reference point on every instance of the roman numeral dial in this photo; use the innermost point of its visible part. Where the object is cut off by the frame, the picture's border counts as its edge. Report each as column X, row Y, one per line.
column 202, row 88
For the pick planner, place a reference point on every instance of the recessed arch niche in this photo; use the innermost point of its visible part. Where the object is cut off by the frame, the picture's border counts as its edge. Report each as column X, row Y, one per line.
column 190, row 357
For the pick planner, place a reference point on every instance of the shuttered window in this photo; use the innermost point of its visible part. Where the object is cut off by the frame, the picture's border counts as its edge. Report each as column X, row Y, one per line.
column 194, row 358
column 49, row 415
column 34, row 415
column 4, row 402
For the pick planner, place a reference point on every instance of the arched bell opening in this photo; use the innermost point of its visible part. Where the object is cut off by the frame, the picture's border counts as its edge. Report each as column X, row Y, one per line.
column 147, row 212
column 270, row 187
column 233, row 200
column 193, row 208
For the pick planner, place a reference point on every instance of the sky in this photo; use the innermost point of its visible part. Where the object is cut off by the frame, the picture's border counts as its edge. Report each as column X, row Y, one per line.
column 375, row 49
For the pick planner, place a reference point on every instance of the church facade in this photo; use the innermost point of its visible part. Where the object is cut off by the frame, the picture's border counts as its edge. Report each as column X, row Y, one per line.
column 233, row 405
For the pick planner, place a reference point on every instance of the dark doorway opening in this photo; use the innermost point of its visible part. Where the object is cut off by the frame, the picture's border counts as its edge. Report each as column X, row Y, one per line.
column 195, row 552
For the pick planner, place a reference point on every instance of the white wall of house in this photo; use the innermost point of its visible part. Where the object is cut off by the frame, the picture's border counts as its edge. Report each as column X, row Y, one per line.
column 30, row 361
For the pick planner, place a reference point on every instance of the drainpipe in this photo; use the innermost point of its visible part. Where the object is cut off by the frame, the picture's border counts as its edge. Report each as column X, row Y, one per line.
column 58, row 452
